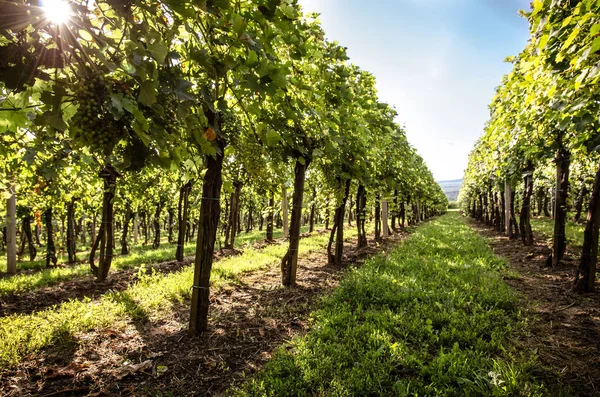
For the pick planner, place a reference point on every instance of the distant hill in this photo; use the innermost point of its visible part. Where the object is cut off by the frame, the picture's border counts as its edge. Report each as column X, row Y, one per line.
column 451, row 188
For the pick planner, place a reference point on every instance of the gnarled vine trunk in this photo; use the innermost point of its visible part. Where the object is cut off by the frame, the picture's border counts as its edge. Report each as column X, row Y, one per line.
column 289, row 263
column 525, row 217
column 233, row 222
column 395, row 211
column 104, row 239
column 384, row 218
column 269, row 234
column 125, row 233
column 546, row 204
column 377, row 218
column 361, row 215
column 403, row 214
column 208, row 222
column 335, row 258
column 170, row 217
column 71, row 233
column 579, row 204
column 514, row 225
column 145, row 227
column 182, row 218
column 50, row 246
column 250, row 220
column 497, row 217
column 586, row 273
column 284, row 213
column 26, row 222
column 559, row 245
column 156, row 223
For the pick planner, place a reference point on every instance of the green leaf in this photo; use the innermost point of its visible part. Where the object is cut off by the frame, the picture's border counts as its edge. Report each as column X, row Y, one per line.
column 84, row 34
column 47, row 97
column 228, row 187
column 57, row 122
column 238, row 24
column 288, row 11
column 147, row 96
column 564, row 124
column 139, row 130
column 158, row 50
column 116, row 102
column 51, row 119
column 596, row 45
column 273, row 137
column 252, row 58
column 537, row 4
column 132, row 108
column 571, row 38
column 11, row 121
column 543, row 41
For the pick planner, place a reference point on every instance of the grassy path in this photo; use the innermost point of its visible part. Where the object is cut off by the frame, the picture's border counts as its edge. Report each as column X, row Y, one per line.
column 432, row 317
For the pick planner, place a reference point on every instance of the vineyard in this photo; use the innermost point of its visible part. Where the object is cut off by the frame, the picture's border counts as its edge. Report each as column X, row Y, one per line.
column 209, row 198
column 534, row 175
column 544, row 131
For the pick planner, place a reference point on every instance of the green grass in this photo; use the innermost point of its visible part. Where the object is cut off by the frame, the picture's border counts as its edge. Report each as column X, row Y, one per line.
column 138, row 256
column 432, row 318
column 574, row 231
column 152, row 298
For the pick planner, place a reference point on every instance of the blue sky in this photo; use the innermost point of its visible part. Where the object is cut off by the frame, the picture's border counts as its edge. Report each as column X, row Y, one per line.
column 436, row 61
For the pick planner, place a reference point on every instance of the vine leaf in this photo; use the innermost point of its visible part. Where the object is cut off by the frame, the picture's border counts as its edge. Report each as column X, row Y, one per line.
column 51, row 119
column 147, row 96
column 159, row 51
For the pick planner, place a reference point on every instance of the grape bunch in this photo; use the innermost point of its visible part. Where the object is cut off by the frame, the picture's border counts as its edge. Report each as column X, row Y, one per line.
column 165, row 111
column 94, row 125
column 169, row 119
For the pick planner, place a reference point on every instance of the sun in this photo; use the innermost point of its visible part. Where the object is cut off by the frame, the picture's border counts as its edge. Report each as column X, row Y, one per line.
column 56, row 11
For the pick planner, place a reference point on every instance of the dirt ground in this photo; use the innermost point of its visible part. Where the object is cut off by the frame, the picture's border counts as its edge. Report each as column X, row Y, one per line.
column 248, row 321
column 566, row 327
column 86, row 286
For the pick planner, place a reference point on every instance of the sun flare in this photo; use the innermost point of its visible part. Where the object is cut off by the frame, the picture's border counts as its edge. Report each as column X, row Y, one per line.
column 56, row 11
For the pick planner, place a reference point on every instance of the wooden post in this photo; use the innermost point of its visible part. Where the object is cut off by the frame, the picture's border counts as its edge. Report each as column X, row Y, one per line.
column 384, row 216
column 11, row 231
column 284, row 213
column 508, row 202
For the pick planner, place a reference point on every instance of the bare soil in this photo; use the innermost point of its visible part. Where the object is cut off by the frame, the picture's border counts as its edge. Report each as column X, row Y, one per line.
column 86, row 286
column 249, row 320
column 566, row 327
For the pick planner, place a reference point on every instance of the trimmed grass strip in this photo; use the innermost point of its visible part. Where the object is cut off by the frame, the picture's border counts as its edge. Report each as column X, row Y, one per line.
column 432, row 317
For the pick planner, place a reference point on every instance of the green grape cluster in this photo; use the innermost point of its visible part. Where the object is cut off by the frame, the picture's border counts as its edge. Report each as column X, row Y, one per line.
column 165, row 112
column 91, row 126
column 169, row 119
column 95, row 124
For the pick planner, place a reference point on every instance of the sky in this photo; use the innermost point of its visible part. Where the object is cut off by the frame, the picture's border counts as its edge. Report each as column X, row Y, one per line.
column 436, row 61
